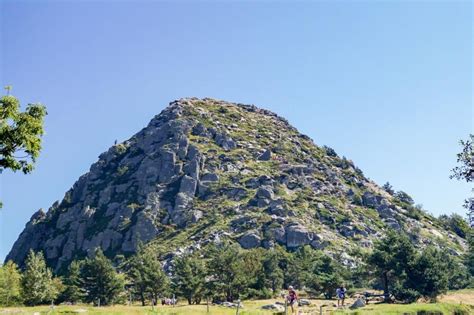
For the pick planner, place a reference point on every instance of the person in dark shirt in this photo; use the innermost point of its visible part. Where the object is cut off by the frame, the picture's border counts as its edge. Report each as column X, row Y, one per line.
column 292, row 298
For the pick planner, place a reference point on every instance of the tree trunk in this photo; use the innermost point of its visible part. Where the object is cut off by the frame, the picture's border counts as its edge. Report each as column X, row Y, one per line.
column 142, row 298
column 386, row 292
column 229, row 295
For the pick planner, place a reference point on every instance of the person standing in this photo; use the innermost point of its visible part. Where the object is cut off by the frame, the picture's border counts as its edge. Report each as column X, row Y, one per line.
column 341, row 296
column 292, row 298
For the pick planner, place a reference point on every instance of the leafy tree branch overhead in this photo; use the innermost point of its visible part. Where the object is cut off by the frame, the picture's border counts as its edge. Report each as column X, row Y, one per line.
column 465, row 159
column 20, row 134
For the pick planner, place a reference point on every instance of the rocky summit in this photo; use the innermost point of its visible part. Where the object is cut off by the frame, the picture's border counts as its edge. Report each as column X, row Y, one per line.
column 204, row 171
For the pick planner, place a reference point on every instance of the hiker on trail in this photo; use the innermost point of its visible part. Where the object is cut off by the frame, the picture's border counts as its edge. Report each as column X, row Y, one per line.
column 292, row 298
column 341, row 295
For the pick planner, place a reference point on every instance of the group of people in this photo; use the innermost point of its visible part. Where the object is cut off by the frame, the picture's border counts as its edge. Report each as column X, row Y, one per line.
column 292, row 297
column 168, row 301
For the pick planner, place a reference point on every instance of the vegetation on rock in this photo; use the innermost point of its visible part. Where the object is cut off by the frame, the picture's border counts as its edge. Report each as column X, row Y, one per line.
column 225, row 201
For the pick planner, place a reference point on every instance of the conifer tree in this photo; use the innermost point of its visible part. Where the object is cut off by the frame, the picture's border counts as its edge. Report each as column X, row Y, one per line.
column 38, row 286
column 390, row 258
column 73, row 292
column 223, row 271
column 147, row 275
column 189, row 278
column 274, row 276
column 429, row 273
column 100, row 280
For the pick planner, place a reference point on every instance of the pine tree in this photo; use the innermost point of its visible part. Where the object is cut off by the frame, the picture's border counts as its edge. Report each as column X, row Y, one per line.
column 223, row 271
column 274, row 275
column 189, row 278
column 458, row 273
column 251, row 273
column 137, row 275
column 328, row 276
column 100, row 280
column 10, row 284
column 38, row 285
column 147, row 275
column 303, row 262
column 428, row 274
column 390, row 258
column 73, row 292
column 233, row 272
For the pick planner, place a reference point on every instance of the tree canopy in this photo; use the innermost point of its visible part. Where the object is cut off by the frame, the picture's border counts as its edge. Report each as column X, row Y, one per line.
column 465, row 171
column 390, row 257
column 465, row 159
column 73, row 293
column 190, row 278
column 101, row 281
column 409, row 274
column 38, row 284
column 20, row 134
column 147, row 275
column 10, row 284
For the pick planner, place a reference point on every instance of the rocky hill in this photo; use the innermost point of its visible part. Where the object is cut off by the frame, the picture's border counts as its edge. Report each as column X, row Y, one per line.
column 204, row 170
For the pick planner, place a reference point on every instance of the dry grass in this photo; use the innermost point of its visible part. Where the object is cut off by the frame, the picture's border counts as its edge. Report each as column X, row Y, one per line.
column 456, row 301
column 461, row 296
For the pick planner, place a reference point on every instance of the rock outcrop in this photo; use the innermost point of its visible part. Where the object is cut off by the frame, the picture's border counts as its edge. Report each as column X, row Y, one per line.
column 205, row 170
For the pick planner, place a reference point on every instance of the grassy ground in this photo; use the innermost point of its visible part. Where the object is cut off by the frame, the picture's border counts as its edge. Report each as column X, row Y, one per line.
column 416, row 309
column 457, row 302
column 464, row 296
column 134, row 310
column 454, row 302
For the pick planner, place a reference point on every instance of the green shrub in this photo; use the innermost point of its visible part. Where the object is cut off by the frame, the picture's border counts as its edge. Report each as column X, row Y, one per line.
column 120, row 148
column 455, row 223
column 404, row 197
column 122, row 170
column 330, row 151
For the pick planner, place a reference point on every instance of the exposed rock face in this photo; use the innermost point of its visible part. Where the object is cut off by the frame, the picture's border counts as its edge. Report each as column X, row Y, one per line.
column 266, row 156
column 205, row 170
column 297, row 235
column 250, row 240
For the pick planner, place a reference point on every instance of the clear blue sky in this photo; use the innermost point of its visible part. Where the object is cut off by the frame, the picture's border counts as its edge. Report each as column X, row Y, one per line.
column 389, row 85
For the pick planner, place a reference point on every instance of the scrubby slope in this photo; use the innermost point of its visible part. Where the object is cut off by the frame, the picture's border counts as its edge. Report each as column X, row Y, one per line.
column 204, row 170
